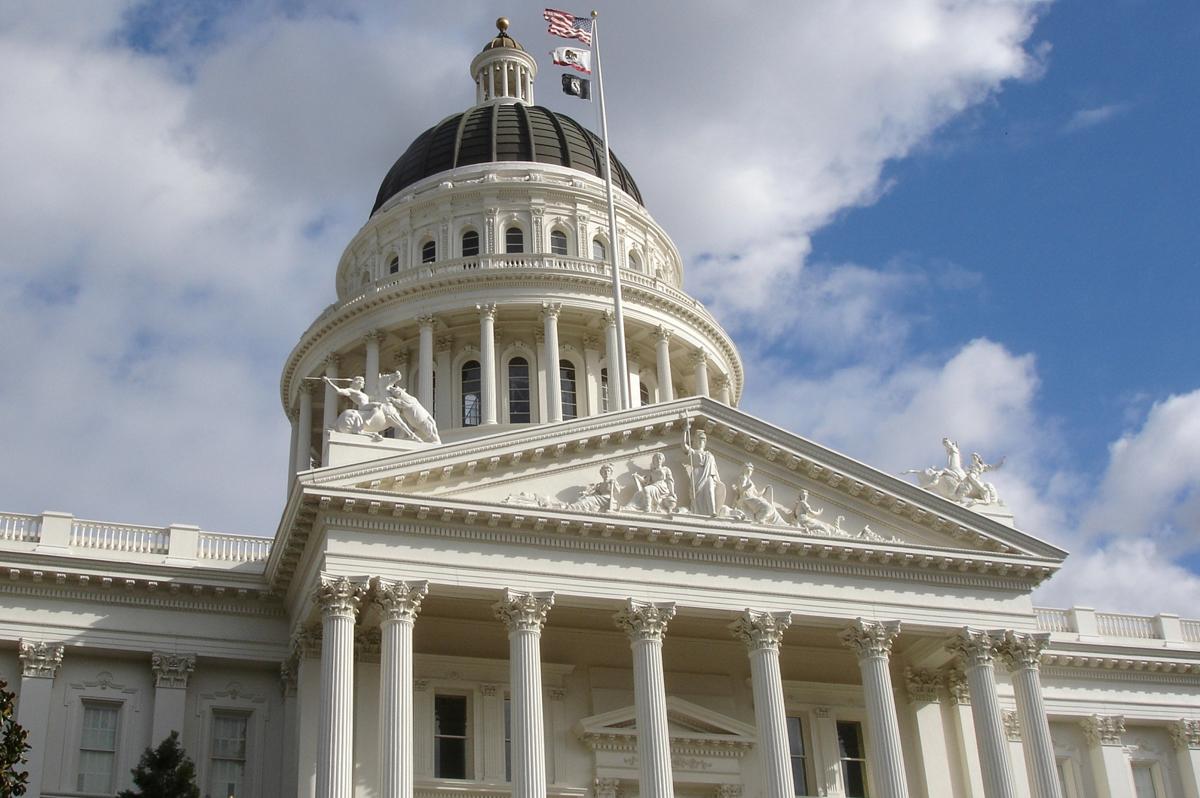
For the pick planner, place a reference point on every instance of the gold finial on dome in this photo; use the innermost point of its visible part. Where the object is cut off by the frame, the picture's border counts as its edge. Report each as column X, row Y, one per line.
column 502, row 24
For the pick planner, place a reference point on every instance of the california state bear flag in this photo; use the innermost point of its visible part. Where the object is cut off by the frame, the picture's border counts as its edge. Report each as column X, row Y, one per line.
column 574, row 57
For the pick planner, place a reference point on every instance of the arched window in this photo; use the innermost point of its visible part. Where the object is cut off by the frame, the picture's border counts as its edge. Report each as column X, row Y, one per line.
column 514, row 240
column 598, row 250
column 634, row 262
column 428, row 252
column 394, row 264
column 470, row 244
column 603, row 390
column 644, row 393
column 472, row 401
column 566, row 381
column 518, row 391
column 558, row 242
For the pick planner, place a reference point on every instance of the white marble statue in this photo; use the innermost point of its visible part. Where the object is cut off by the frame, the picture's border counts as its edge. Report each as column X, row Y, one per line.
column 805, row 515
column 655, row 488
column 708, row 492
column 419, row 420
column 965, row 486
column 754, row 504
column 368, row 417
column 599, row 497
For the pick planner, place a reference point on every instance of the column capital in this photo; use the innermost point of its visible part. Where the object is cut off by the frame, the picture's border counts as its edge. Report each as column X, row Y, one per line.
column 1022, row 649
column 339, row 597
column 592, row 342
column 375, row 335
column 699, row 358
column 333, row 359
column 645, row 620
column 662, row 334
column 486, row 310
column 610, row 318
column 724, row 382
column 924, row 685
column 1103, row 729
column 761, row 630
column 550, row 310
column 1185, row 734
column 306, row 641
column 305, row 386
column 1012, row 726
column 607, row 788
column 39, row 660
column 957, row 687
column 399, row 600
column 426, row 321
column 289, row 677
column 444, row 343
column 172, row 670
column 975, row 647
column 524, row 612
column 728, row 791
column 871, row 638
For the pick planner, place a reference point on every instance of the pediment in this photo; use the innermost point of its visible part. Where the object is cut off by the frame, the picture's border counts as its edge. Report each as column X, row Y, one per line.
column 795, row 489
column 686, row 722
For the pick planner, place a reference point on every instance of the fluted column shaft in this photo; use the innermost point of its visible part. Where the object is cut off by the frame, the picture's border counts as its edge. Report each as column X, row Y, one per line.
column 872, row 642
column 724, row 391
column 613, row 353
column 700, row 360
column 762, row 632
column 329, row 411
column 372, row 340
column 425, row 362
column 646, row 623
column 1022, row 653
column 977, row 650
column 550, row 311
column 304, row 428
column 662, row 352
column 487, row 361
column 400, row 603
column 525, row 614
column 338, row 600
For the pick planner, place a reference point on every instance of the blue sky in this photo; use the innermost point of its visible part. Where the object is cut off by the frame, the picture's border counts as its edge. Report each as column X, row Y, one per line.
column 916, row 218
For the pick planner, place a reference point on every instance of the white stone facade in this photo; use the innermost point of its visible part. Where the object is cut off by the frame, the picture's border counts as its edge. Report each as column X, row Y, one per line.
column 565, row 597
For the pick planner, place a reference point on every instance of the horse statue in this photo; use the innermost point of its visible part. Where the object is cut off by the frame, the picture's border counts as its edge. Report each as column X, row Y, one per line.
column 419, row 421
column 964, row 486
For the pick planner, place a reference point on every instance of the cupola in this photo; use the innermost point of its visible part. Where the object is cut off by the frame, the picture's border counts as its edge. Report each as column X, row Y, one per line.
column 503, row 72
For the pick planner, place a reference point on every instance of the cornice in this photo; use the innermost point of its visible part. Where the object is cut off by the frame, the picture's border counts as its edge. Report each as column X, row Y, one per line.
column 1122, row 667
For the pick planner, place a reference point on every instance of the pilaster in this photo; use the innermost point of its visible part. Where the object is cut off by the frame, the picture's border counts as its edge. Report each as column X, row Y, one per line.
column 924, row 697
column 1111, row 770
column 1185, row 734
column 171, row 672
column 40, row 662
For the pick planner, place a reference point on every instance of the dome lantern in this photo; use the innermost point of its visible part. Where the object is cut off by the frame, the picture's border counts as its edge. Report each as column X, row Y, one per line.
column 503, row 72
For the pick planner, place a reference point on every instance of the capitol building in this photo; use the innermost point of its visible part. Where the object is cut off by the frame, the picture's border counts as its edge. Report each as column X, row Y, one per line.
column 497, row 573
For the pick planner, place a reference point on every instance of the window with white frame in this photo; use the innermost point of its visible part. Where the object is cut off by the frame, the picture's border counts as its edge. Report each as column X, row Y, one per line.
column 98, row 747
column 472, row 401
column 604, row 390
column 558, row 242
column 518, row 391
column 798, row 752
column 470, row 244
column 227, row 755
column 1066, row 777
column 598, row 250
column 428, row 252
column 451, row 742
column 1147, row 783
column 394, row 264
column 644, row 393
column 514, row 240
column 570, row 406
column 853, row 758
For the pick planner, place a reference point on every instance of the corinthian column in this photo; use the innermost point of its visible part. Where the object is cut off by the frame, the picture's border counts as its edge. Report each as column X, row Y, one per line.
column 646, row 623
column 487, row 361
column 525, row 614
column 762, row 632
column 662, row 351
column 1022, row 654
column 700, row 361
column 613, row 353
column 400, row 602
column 372, row 340
column 872, row 642
column 550, row 311
column 977, row 650
column 338, row 600
column 329, row 412
column 304, row 429
column 425, row 363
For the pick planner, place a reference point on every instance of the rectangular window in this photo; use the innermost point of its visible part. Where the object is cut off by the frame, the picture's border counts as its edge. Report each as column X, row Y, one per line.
column 227, row 755
column 853, row 757
column 1144, row 785
column 508, row 739
column 98, row 747
column 797, row 750
column 450, row 759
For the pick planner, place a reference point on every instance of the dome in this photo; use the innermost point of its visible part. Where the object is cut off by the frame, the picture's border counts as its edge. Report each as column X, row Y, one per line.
column 494, row 133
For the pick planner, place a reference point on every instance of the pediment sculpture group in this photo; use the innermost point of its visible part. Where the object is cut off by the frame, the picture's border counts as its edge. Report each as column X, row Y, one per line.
column 706, row 495
column 965, row 486
column 396, row 409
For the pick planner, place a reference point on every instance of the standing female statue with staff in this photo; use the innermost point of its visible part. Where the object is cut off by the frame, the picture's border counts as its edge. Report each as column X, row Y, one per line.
column 708, row 492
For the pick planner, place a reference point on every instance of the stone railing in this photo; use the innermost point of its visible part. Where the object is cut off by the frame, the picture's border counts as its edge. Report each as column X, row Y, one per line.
column 1086, row 622
column 61, row 533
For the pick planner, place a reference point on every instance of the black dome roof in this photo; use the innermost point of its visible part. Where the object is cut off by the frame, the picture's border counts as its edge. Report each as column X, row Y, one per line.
column 490, row 133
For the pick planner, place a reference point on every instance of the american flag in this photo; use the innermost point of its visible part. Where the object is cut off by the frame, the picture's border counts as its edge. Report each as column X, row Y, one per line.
column 569, row 26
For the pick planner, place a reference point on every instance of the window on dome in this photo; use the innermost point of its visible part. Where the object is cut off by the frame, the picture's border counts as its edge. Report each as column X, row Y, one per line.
column 558, row 242
column 598, row 250
column 394, row 264
column 514, row 241
column 853, row 758
column 634, row 262
column 428, row 252
column 470, row 244
column 603, row 390
column 798, row 752
column 518, row 391
column 644, row 393
column 566, row 380
column 472, row 376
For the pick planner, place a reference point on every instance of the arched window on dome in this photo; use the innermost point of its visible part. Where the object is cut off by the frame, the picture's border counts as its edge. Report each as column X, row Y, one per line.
column 514, row 241
column 518, row 391
column 472, row 400
column 604, row 390
column 599, row 252
column 428, row 252
column 558, row 242
column 394, row 264
column 567, row 384
column 633, row 262
column 644, row 393
column 470, row 244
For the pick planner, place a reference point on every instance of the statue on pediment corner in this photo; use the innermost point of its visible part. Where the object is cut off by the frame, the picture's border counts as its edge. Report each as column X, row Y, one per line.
column 707, row 489
column 419, row 420
column 369, row 417
column 753, row 504
column 962, row 485
column 655, row 488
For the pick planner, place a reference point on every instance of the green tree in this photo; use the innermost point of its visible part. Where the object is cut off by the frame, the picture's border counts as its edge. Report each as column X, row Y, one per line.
column 164, row 772
column 13, row 745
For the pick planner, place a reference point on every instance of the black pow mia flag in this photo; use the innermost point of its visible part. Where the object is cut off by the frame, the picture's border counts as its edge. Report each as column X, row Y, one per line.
column 577, row 87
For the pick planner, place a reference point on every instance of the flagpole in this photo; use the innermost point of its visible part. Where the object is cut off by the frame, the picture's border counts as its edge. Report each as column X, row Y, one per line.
column 620, row 367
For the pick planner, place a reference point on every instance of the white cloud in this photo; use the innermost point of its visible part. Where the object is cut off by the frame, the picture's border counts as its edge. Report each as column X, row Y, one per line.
column 1097, row 115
